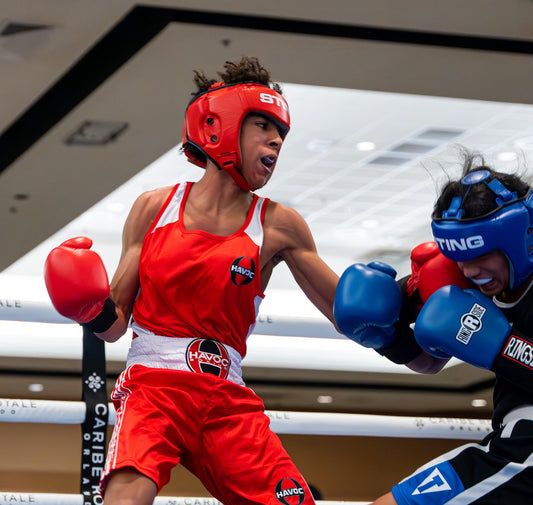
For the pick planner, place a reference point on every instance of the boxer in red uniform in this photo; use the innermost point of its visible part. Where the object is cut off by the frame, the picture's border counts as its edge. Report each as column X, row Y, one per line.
column 195, row 262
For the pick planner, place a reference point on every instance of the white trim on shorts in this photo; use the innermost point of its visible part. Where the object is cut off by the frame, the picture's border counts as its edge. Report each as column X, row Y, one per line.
column 484, row 487
column 515, row 415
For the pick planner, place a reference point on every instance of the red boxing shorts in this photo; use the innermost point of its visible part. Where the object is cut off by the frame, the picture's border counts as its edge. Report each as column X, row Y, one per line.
column 217, row 429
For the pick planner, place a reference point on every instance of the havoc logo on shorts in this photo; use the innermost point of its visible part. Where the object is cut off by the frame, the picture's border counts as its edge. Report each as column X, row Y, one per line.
column 519, row 350
column 290, row 492
column 470, row 323
column 208, row 356
column 242, row 271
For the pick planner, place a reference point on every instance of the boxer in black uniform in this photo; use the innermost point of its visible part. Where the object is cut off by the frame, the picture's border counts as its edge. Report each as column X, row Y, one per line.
column 484, row 223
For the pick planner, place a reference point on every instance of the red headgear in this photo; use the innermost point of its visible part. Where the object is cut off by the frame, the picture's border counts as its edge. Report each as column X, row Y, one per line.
column 213, row 122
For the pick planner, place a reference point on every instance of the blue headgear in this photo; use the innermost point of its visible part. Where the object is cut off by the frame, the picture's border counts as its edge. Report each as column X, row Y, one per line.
column 508, row 228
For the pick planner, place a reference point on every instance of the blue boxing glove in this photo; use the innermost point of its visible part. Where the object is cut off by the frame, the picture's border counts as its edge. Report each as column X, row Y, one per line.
column 367, row 304
column 462, row 323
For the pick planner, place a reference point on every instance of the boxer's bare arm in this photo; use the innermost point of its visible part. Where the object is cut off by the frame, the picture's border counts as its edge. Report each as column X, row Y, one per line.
column 288, row 237
column 125, row 282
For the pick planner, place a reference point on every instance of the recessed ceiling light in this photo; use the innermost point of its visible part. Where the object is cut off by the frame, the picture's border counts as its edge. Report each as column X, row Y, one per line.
column 324, row 399
column 36, row 388
column 365, row 146
column 479, row 402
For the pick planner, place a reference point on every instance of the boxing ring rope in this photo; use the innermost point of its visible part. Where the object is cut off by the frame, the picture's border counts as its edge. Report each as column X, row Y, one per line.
column 310, row 423
column 281, row 422
column 76, row 499
column 301, row 423
column 267, row 324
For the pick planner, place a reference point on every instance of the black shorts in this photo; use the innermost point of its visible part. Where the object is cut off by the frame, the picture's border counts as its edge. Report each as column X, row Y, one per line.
column 497, row 471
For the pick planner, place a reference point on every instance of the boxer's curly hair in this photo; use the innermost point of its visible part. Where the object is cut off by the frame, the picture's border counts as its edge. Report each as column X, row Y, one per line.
column 248, row 69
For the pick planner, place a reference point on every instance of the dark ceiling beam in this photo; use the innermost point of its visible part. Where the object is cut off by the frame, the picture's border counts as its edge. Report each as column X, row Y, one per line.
column 142, row 23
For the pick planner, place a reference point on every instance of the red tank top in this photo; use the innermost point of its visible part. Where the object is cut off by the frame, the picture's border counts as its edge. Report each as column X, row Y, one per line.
column 195, row 284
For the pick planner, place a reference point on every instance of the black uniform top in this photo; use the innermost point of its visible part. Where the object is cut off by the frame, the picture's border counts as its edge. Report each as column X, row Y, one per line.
column 514, row 365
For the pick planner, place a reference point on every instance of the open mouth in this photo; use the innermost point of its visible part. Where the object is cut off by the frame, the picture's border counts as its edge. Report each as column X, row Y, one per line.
column 268, row 161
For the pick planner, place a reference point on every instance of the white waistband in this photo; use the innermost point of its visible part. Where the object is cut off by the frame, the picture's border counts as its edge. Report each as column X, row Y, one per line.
column 523, row 412
column 187, row 354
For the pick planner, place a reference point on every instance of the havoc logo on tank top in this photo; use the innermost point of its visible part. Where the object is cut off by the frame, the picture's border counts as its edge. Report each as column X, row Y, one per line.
column 208, row 356
column 242, row 271
column 290, row 492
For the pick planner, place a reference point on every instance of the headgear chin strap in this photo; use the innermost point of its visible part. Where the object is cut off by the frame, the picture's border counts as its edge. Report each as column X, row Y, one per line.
column 508, row 228
column 213, row 123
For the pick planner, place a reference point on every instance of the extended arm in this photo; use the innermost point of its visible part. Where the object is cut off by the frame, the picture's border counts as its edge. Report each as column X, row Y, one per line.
column 290, row 239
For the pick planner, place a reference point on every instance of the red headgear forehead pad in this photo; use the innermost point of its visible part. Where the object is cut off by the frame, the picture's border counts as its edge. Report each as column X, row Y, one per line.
column 213, row 122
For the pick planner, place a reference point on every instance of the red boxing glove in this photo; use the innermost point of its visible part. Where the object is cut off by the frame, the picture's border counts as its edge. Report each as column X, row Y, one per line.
column 431, row 270
column 76, row 280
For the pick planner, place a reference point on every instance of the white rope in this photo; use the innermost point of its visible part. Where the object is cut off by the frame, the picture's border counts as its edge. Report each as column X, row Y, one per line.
column 300, row 423
column 296, row 342
column 13, row 309
column 77, row 499
column 364, row 425
column 48, row 411
column 41, row 498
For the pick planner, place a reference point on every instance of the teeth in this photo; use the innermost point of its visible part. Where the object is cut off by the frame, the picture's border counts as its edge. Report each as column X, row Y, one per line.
column 480, row 282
